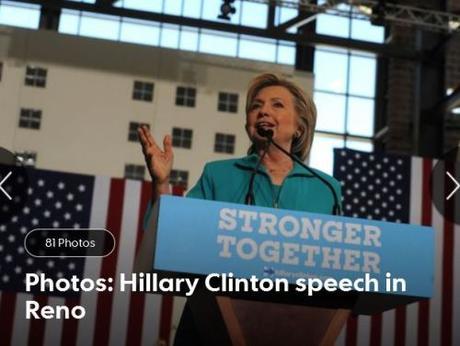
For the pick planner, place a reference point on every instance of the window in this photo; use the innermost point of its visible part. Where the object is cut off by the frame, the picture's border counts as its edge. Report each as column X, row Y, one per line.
column 182, row 137
column 228, row 102
column 184, row 37
column 136, row 172
column 185, row 96
column 27, row 158
column 344, row 97
column 36, row 76
column 30, row 118
column 132, row 131
column 344, row 94
column 17, row 14
column 143, row 91
column 224, row 143
column 179, row 178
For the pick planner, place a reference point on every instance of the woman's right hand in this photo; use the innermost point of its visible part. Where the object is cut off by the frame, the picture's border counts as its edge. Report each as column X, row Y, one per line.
column 159, row 162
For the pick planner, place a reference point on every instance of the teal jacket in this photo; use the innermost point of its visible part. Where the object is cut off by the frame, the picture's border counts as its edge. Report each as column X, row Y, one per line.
column 228, row 181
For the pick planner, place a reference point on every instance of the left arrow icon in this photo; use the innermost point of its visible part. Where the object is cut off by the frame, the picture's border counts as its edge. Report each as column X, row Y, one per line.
column 14, row 186
column 457, row 185
column 1, row 187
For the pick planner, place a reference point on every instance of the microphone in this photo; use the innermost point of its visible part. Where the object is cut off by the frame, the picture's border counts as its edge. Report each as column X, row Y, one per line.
column 267, row 133
column 262, row 132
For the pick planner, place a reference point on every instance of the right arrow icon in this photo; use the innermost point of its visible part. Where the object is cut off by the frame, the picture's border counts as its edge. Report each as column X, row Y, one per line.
column 457, row 185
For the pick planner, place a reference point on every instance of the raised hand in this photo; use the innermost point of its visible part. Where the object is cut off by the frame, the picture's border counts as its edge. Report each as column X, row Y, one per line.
column 159, row 162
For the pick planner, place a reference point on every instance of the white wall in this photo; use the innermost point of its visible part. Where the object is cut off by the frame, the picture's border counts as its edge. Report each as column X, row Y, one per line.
column 87, row 103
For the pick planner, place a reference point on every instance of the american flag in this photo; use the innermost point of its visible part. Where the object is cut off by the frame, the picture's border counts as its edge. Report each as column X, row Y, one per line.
column 62, row 200
column 397, row 189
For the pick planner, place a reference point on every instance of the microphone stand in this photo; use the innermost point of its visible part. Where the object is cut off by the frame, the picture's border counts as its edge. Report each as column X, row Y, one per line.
column 249, row 199
column 336, row 210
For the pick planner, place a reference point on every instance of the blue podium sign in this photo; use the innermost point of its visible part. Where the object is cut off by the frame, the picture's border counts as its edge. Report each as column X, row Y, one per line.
column 203, row 237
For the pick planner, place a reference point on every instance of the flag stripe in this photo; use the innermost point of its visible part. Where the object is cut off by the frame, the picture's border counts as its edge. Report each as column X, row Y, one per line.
column 168, row 301
column 435, row 301
column 376, row 330
column 427, row 217
column 37, row 326
column 352, row 331
column 136, row 308
column 420, row 195
column 456, row 299
column 70, row 327
column 135, row 319
column 7, row 307
column 423, row 326
column 364, row 328
column 388, row 327
column 447, row 268
column 341, row 338
column 435, row 312
column 400, row 326
column 423, row 320
column 150, row 326
column 53, row 328
column 417, row 181
column 178, row 308
column 104, row 303
column 126, row 249
column 165, row 318
column 412, row 312
column 99, row 211
column 21, row 324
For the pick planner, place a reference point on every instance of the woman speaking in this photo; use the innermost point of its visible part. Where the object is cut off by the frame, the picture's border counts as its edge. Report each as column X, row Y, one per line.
column 280, row 120
column 273, row 105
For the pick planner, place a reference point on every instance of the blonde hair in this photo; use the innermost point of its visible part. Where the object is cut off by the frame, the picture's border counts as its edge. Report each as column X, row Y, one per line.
column 304, row 105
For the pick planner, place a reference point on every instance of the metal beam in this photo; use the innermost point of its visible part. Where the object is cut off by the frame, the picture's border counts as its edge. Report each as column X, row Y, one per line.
column 298, row 21
column 271, row 16
column 49, row 18
column 105, row 2
column 391, row 13
column 304, row 55
column 305, row 16
column 447, row 104
column 308, row 39
column 452, row 101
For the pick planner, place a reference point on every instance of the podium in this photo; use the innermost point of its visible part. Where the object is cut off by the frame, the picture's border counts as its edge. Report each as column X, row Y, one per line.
column 207, row 239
